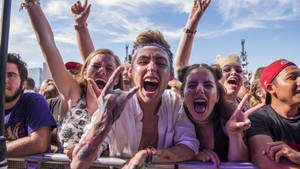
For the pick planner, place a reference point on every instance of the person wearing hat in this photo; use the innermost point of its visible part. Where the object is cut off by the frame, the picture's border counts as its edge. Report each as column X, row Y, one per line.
column 273, row 139
column 73, row 68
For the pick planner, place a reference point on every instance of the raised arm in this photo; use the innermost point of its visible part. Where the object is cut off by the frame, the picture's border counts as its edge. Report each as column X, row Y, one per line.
column 235, row 127
column 185, row 46
column 111, row 105
column 80, row 13
column 66, row 84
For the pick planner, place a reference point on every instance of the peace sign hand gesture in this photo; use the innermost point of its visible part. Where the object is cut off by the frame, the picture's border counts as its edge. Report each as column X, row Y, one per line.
column 113, row 101
column 81, row 12
column 239, row 121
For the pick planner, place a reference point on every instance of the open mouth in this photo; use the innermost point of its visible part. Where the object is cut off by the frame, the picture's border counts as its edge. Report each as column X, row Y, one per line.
column 126, row 81
column 100, row 83
column 200, row 106
column 150, row 85
column 232, row 81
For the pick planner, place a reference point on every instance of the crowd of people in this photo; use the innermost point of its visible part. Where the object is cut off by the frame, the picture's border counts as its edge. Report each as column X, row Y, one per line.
column 140, row 111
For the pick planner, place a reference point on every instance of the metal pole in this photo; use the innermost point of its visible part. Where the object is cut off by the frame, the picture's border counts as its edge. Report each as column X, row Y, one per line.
column 6, row 6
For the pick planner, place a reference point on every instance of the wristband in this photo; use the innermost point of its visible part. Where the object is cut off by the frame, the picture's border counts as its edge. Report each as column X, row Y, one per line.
column 55, row 150
column 188, row 31
column 149, row 155
column 77, row 27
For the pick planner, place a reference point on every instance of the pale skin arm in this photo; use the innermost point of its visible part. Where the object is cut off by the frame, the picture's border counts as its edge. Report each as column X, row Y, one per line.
column 257, row 147
column 112, row 103
column 65, row 83
column 235, row 127
column 36, row 142
column 80, row 13
column 185, row 45
column 177, row 153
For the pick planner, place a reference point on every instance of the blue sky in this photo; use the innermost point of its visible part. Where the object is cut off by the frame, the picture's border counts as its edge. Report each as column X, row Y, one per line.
column 271, row 28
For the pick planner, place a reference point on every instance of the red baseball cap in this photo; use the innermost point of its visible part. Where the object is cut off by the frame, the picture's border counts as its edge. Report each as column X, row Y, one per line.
column 72, row 65
column 270, row 72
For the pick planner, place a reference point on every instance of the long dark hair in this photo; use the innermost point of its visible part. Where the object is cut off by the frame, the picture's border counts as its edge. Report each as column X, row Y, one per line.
column 221, row 110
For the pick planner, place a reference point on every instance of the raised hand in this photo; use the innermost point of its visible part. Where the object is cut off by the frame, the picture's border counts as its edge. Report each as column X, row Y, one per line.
column 206, row 155
column 81, row 12
column 239, row 121
column 197, row 11
column 114, row 101
column 111, row 104
column 278, row 149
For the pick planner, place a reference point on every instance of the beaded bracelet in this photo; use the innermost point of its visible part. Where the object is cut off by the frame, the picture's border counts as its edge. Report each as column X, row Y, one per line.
column 29, row 3
column 189, row 32
column 149, row 155
column 77, row 27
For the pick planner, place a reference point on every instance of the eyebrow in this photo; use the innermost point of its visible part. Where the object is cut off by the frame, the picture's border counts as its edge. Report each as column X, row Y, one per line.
column 161, row 57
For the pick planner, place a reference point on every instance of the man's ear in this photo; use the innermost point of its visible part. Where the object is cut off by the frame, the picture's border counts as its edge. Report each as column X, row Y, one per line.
column 271, row 88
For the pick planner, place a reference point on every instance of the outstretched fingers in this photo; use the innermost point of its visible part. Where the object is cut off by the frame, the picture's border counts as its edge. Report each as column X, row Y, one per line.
column 254, row 109
column 110, row 83
column 243, row 102
column 131, row 92
column 85, row 4
column 94, row 86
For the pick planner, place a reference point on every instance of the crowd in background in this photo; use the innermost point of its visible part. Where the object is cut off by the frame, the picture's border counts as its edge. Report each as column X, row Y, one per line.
column 139, row 110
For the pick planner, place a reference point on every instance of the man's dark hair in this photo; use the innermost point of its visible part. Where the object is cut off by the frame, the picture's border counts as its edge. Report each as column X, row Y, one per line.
column 15, row 58
column 30, row 83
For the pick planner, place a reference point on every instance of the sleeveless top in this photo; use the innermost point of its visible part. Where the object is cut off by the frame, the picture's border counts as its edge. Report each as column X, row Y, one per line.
column 70, row 128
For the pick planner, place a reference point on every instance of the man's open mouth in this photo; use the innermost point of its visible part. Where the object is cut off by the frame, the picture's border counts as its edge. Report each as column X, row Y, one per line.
column 150, row 85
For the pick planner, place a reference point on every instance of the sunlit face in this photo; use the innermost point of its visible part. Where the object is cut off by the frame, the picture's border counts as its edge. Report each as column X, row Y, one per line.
column 151, row 71
column 127, row 80
column 13, row 82
column 200, row 94
column 245, row 88
column 287, row 86
column 232, row 80
column 100, row 69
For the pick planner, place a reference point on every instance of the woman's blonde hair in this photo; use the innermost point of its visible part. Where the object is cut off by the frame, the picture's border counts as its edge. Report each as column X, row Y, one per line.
column 254, row 98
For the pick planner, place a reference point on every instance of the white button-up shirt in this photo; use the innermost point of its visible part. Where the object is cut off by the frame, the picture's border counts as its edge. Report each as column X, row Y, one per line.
column 173, row 127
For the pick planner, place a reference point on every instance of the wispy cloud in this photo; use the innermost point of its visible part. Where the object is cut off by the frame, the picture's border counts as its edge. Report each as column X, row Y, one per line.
column 120, row 21
column 248, row 14
column 57, row 8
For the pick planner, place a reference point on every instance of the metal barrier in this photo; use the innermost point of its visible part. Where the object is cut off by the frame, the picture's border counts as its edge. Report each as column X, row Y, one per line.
column 61, row 161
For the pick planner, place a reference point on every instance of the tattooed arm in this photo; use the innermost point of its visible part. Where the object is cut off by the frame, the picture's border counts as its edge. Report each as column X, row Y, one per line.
column 111, row 104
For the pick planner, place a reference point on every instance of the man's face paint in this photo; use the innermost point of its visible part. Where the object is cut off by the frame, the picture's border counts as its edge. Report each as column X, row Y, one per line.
column 151, row 72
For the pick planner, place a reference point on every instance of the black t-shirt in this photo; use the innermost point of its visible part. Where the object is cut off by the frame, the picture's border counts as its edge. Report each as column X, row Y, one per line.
column 266, row 121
